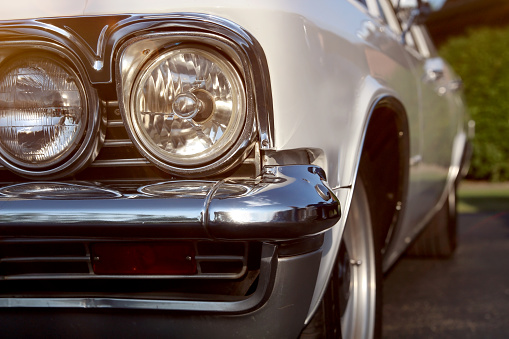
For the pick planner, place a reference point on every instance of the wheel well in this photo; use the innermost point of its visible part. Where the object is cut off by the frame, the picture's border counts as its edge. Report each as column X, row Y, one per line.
column 384, row 167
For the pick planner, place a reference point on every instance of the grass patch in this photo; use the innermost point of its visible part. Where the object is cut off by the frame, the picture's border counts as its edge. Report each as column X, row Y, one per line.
column 483, row 197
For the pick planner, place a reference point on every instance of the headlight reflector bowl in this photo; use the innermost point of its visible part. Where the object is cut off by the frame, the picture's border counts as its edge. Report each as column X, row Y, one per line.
column 43, row 111
column 187, row 106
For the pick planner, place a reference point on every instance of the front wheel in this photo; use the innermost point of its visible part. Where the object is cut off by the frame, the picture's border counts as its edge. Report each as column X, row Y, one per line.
column 351, row 306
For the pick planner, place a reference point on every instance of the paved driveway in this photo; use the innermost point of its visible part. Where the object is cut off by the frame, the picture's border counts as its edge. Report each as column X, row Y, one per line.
column 464, row 297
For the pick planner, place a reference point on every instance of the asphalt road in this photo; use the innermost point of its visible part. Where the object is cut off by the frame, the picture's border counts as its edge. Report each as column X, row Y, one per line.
column 466, row 296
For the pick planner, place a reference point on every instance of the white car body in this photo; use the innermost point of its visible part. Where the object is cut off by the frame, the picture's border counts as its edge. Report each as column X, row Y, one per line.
column 330, row 63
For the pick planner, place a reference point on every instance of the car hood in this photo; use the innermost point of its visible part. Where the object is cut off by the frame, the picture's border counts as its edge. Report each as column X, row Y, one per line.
column 26, row 9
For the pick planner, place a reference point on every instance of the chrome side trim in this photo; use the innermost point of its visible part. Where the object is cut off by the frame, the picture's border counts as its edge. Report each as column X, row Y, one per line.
column 285, row 202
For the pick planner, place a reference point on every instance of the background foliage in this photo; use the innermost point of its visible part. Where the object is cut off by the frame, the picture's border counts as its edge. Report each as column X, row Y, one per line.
column 481, row 58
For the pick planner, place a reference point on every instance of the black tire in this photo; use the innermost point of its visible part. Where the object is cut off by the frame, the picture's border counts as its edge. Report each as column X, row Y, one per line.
column 439, row 237
column 352, row 304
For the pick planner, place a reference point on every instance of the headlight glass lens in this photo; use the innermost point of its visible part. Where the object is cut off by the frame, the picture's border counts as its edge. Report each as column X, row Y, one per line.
column 188, row 106
column 42, row 113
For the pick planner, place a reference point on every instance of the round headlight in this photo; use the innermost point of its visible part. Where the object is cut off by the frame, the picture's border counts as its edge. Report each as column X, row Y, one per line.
column 43, row 111
column 187, row 107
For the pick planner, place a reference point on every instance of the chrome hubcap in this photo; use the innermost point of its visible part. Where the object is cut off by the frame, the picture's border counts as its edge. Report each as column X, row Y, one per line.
column 358, row 281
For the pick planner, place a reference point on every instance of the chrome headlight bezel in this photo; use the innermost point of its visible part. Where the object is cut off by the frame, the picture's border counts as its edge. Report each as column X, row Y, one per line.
column 84, row 148
column 138, row 53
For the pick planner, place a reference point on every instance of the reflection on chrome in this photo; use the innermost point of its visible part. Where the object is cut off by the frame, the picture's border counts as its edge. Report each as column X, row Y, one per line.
column 57, row 191
column 281, row 204
column 285, row 200
column 227, row 190
column 184, row 188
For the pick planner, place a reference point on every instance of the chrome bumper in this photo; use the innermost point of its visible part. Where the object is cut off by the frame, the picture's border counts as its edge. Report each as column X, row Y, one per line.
column 283, row 204
column 286, row 202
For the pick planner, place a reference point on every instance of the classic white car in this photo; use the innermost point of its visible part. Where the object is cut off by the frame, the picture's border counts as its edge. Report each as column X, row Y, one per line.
column 217, row 168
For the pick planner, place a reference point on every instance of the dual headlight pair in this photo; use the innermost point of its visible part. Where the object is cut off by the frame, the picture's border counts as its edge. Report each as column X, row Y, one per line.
column 184, row 106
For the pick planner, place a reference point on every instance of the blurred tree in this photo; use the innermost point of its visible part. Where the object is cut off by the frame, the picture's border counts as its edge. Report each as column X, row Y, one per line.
column 457, row 16
column 471, row 36
column 481, row 58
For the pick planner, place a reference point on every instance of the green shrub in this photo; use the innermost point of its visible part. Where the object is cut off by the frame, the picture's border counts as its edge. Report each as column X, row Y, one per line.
column 481, row 58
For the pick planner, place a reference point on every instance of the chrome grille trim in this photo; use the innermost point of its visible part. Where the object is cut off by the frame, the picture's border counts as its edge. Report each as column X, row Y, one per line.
column 137, row 160
column 219, row 258
column 83, row 246
column 121, row 162
column 115, row 123
column 118, row 143
column 44, row 259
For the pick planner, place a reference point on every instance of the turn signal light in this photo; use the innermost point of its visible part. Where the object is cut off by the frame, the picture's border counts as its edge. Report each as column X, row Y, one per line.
column 147, row 258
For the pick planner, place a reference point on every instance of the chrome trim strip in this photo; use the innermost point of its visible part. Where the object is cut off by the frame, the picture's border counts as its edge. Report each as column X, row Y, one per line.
column 219, row 258
column 89, row 276
column 121, row 162
column 286, row 202
column 118, row 143
column 45, row 259
column 115, row 123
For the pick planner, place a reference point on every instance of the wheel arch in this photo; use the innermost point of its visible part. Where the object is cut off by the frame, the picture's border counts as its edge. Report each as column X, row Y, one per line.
column 383, row 153
column 384, row 166
column 386, row 113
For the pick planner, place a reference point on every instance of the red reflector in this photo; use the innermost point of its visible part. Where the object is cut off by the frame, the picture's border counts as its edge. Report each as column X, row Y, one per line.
column 156, row 258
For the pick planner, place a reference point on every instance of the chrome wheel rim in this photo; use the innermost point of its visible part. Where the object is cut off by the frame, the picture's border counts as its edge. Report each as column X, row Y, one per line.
column 358, row 317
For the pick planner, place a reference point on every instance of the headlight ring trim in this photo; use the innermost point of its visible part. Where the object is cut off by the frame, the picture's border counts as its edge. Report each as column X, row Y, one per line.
column 83, row 150
column 131, row 63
